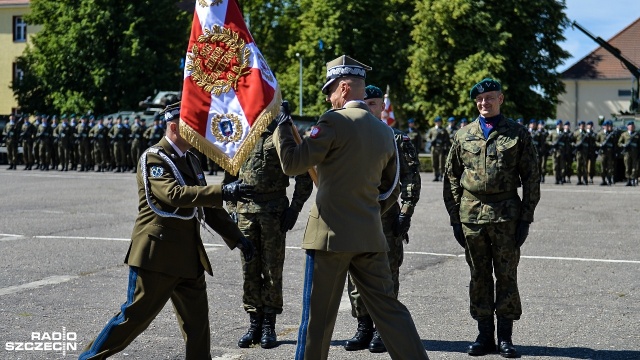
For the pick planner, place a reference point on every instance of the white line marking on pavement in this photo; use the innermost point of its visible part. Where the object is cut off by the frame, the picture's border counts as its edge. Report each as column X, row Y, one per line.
column 406, row 252
column 228, row 357
column 36, row 284
column 10, row 237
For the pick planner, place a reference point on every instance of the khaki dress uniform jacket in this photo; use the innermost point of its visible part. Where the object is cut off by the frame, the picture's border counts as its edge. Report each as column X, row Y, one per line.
column 356, row 162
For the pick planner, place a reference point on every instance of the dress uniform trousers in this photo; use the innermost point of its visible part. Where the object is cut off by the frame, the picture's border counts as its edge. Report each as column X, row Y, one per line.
column 147, row 293
column 325, row 274
column 395, row 256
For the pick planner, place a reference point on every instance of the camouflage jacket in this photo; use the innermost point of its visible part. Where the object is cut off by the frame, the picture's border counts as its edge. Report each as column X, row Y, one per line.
column 540, row 141
column 409, row 174
column 439, row 138
column 581, row 141
column 27, row 132
column 629, row 142
column 44, row 134
column 137, row 132
column 607, row 140
column 262, row 169
column 556, row 141
column 82, row 133
column 100, row 135
column 10, row 132
column 482, row 175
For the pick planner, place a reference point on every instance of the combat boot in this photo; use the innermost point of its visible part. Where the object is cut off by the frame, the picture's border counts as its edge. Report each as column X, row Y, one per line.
column 505, row 345
column 253, row 333
column 542, row 179
column 376, row 345
column 269, row 338
column 610, row 180
column 485, row 342
column 363, row 335
column 118, row 169
column 604, row 182
column 628, row 182
column 580, row 182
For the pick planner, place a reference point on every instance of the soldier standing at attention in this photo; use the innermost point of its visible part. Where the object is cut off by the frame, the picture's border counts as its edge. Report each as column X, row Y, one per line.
column 10, row 133
column 628, row 142
column 568, row 153
column 592, row 153
column 451, row 128
column 166, row 257
column 439, row 138
column 606, row 141
column 100, row 135
column 581, row 148
column 489, row 160
column 27, row 134
column 540, row 137
column 137, row 140
column 395, row 224
column 264, row 219
column 44, row 137
column 414, row 135
column 63, row 133
column 344, row 230
column 154, row 133
column 84, row 143
column 118, row 136
column 556, row 142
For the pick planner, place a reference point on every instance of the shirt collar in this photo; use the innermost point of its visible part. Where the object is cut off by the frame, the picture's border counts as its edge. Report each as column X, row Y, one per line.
column 180, row 153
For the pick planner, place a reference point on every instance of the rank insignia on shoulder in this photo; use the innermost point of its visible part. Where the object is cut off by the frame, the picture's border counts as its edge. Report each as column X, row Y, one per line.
column 315, row 131
column 405, row 137
column 156, row 171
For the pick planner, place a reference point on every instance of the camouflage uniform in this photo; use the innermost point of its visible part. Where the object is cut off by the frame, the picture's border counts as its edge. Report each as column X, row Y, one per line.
column 629, row 142
column 63, row 133
column 410, row 183
column 592, row 154
column 439, row 138
column 568, row 156
column 137, row 142
column 44, row 137
column 118, row 135
column 27, row 134
column 11, row 134
column 153, row 134
column 83, row 144
column 581, row 148
column 99, row 134
column 606, row 142
column 259, row 220
column 480, row 191
column 556, row 143
column 540, row 143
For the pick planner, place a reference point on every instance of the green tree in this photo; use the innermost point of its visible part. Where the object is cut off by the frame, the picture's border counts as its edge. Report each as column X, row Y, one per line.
column 101, row 55
column 459, row 42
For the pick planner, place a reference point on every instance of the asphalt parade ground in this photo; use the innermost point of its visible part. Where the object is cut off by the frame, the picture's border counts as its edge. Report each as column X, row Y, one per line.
column 64, row 235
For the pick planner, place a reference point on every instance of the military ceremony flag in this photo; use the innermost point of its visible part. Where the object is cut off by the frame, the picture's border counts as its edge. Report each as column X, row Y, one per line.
column 229, row 95
column 388, row 109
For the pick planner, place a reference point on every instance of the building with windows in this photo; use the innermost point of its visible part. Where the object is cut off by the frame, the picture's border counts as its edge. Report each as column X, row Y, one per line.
column 599, row 84
column 14, row 35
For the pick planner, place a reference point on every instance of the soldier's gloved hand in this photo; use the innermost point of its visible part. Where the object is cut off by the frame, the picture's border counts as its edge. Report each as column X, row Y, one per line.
column 522, row 231
column 288, row 219
column 234, row 217
column 402, row 224
column 248, row 251
column 236, row 190
column 459, row 234
column 284, row 117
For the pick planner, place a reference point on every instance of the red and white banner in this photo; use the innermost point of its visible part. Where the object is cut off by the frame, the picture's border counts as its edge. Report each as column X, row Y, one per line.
column 387, row 114
column 229, row 94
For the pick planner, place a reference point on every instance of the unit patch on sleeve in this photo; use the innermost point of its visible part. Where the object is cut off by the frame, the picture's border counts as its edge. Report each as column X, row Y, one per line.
column 315, row 131
column 157, row 171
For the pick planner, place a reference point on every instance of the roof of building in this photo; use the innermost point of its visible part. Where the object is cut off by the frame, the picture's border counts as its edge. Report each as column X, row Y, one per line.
column 601, row 64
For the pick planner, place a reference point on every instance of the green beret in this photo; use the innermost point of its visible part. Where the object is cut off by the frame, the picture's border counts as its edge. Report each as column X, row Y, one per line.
column 483, row 86
column 372, row 92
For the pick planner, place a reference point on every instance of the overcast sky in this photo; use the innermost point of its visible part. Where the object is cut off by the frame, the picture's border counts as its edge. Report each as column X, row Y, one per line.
column 601, row 18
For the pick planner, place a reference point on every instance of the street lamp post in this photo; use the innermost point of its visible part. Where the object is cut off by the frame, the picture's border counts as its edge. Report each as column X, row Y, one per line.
column 300, row 89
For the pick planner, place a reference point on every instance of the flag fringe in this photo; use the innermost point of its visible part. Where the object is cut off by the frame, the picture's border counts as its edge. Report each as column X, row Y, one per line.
column 232, row 165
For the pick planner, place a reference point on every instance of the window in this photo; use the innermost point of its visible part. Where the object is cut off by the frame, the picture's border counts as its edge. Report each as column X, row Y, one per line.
column 19, row 29
column 624, row 93
column 17, row 73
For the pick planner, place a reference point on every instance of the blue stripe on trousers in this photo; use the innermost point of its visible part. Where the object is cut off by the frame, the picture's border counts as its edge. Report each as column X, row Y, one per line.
column 116, row 320
column 306, row 299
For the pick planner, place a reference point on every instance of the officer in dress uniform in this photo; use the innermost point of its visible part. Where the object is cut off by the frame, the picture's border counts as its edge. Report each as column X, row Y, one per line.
column 487, row 163
column 395, row 224
column 344, row 231
column 166, row 257
column 440, row 142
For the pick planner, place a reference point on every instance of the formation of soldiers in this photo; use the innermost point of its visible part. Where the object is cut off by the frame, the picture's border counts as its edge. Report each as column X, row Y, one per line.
column 583, row 146
column 84, row 143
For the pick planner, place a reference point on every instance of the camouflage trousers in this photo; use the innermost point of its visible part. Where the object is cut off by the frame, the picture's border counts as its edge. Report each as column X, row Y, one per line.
column 591, row 165
column 558, row 164
column 262, row 289
column 542, row 164
column 491, row 251
column 581, row 162
column 438, row 159
column 12, row 152
column 27, row 152
column 395, row 256
column 568, row 165
column 608, row 162
column 630, row 164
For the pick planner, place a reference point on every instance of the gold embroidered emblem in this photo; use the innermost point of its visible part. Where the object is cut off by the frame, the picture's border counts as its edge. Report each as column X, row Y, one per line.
column 203, row 3
column 218, row 60
column 226, row 127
